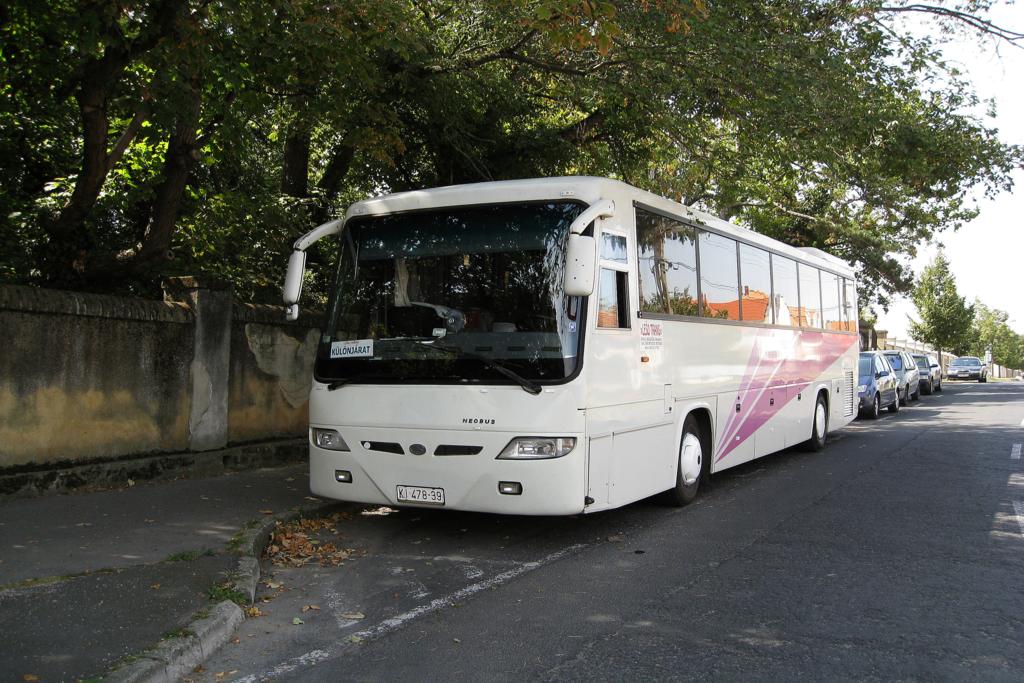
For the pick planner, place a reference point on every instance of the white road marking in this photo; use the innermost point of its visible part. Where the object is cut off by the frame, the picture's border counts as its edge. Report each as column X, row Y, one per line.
column 1015, row 452
column 395, row 622
column 1018, row 508
column 286, row 667
column 315, row 656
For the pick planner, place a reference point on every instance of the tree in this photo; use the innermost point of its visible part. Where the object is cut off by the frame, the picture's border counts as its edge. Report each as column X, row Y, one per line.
column 946, row 318
column 153, row 137
column 991, row 332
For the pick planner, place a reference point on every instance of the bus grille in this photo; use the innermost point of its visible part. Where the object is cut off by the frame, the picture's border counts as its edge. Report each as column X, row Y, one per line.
column 849, row 396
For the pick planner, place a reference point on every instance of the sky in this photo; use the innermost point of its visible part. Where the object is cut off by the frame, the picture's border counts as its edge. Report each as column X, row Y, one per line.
column 986, row 255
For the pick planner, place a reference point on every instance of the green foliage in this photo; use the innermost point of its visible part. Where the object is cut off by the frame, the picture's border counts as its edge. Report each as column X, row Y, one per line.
column 991, row 332
column 817, row 123
column 946, row 318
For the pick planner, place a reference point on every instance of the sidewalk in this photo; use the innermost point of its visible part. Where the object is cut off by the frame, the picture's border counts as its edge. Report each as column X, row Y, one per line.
column 88, row 580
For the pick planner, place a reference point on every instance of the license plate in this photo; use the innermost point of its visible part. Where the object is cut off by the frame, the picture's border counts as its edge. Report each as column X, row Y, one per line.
column 424, row 495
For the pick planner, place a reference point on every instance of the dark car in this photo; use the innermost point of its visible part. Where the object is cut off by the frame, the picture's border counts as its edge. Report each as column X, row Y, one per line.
column 968, row 367
column 876, row 385
column 906, row 374
column 931, row 373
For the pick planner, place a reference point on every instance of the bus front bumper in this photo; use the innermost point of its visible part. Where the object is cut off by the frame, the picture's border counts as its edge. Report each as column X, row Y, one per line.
column 368, row 474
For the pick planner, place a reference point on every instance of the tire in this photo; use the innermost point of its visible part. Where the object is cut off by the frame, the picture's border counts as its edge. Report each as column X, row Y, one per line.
column 876, row 407
column 819, row 426
column 983, row 379
column 698, row 464
column 904, row 398
column 895, row 406
column 928, row 388
column 916, row 396
column 938, row 387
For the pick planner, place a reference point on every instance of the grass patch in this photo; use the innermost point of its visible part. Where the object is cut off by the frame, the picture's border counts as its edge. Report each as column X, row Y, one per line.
column 178, row 633
column 238, row 539
column 189, row 555
column 227, row 591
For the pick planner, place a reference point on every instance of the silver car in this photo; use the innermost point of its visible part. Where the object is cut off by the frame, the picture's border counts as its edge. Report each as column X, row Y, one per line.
column 907, row 375
column 931, row 373
column 968, row 367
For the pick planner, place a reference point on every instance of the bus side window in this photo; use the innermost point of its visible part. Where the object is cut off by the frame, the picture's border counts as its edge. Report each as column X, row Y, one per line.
column 613, row 300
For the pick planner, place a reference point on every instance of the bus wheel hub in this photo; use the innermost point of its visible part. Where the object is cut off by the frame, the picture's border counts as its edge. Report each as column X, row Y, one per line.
column 690, row 458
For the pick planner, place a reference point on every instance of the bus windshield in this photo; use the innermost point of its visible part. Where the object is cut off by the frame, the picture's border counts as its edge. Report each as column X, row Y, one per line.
column 455, row 295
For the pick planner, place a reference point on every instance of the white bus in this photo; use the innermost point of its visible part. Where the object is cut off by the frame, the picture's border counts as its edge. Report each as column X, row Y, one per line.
column 565, row 345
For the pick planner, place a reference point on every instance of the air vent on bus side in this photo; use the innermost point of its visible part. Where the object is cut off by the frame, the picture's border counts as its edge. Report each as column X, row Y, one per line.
column 448, row 449
column 384, row 447
column 849, row 393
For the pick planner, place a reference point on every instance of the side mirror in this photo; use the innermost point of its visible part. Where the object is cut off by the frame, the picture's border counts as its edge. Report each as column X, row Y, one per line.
column 293, row 283
column 883, row 373
column 580, row 261
column 935, row 365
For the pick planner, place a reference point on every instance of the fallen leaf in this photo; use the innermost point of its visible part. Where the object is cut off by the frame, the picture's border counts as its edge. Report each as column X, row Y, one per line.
column 266, row 512
column 456, row 640
column 616, row 538
column 273, row 584
column 253, row 612
column 306, row 608
column 355, row 639
column 353, row 615
column 30, row 677
column 296, row 621
column 236, row 641
column 155, row 586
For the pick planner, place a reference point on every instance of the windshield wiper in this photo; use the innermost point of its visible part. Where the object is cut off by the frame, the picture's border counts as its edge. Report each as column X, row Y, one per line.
column 529, row 386
column 338, row 383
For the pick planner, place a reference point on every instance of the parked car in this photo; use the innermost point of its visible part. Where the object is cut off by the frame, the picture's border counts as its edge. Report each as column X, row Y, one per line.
column 968, row 367
column 931, row 373
column 906, row 372
column 876, row 385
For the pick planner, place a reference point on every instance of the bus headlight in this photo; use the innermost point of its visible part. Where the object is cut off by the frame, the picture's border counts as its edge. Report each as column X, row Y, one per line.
column 537, row 448
column 329, row 439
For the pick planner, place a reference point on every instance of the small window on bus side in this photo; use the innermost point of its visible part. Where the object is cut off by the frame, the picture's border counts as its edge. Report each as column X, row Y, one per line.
column 667, row 264
column 850, row 313
column 786, row 301
column 613, row 299
column 613, row 247
column 719, row 280
column 810, row 297
column 830, row 309
column 755, row 285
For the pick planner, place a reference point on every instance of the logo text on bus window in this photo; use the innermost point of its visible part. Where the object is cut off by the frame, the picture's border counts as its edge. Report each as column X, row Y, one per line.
column 356, row 348
column 478, row 420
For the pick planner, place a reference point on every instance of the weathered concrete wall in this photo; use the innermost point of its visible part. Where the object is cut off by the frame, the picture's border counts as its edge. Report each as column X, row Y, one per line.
column 85, row 377
column 271, row 373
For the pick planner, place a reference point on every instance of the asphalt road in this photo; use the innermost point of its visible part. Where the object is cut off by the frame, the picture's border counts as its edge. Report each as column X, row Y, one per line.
column 896, row 553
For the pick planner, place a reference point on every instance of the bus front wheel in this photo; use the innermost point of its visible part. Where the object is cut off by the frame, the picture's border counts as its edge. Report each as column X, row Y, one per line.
column 693, row 464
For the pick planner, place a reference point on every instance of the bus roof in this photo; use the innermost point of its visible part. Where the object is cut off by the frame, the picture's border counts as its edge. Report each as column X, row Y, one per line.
column 588, row 189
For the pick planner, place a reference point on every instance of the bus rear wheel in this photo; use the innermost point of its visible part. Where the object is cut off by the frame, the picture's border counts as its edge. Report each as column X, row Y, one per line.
column 819, row 425
column 693, row 464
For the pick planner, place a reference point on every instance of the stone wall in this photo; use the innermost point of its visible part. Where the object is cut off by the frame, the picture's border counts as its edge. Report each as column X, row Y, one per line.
column 86, row 377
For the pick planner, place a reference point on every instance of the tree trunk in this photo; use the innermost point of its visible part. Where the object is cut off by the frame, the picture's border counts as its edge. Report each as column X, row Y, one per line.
column 181, row 157
column 295, row 173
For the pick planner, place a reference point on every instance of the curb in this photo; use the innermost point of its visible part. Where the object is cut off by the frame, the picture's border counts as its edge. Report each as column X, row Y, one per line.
column 32, row 481
column 175, row 657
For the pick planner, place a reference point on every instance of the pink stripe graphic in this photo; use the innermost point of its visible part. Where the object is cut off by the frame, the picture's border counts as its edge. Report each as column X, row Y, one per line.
column 799, row 359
